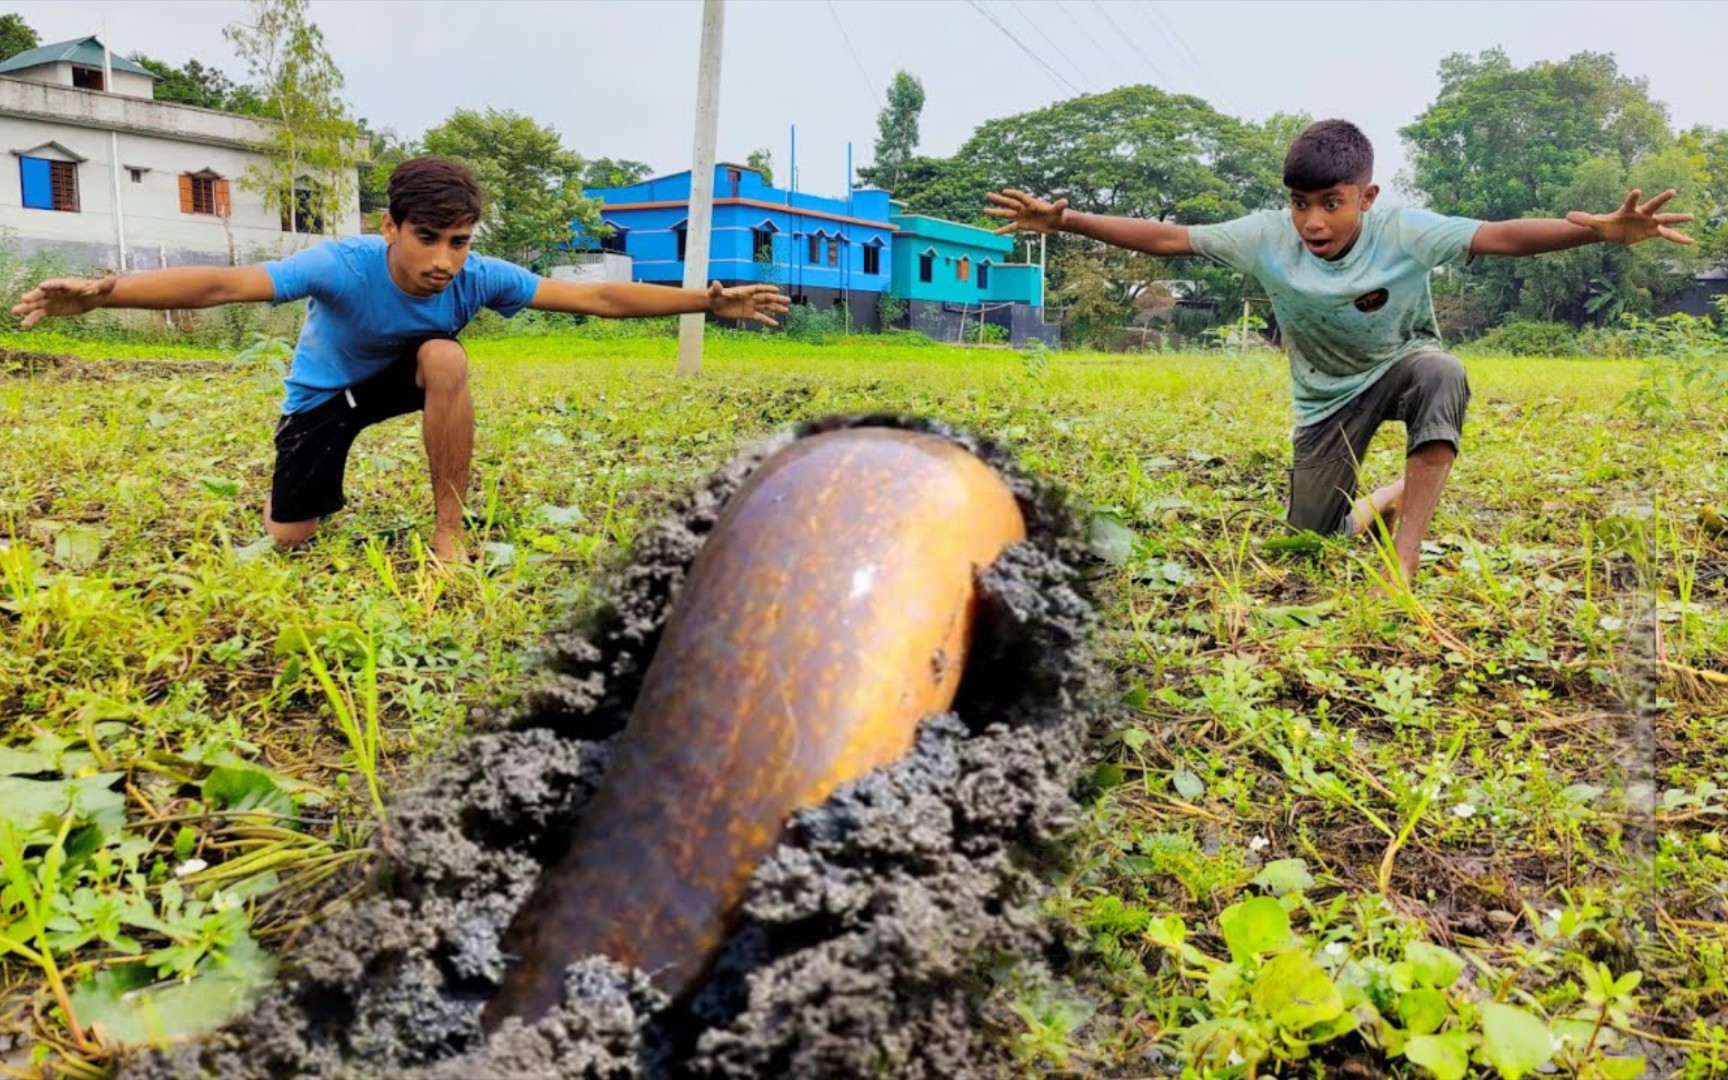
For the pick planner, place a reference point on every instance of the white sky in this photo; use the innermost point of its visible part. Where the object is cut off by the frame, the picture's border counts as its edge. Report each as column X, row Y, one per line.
column 618, row 79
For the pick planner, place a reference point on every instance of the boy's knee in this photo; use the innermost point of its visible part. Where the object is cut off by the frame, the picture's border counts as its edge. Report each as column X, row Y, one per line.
column 442, row 365
column 1441, row 373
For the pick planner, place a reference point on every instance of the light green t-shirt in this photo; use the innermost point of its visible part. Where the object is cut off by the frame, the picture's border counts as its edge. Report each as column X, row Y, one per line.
column 1341, row 332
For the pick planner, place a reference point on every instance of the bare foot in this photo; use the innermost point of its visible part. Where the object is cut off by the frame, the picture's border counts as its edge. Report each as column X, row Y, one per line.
column 450, row 547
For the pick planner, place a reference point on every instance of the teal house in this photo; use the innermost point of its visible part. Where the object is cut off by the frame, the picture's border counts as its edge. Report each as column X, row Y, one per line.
column 946, row 273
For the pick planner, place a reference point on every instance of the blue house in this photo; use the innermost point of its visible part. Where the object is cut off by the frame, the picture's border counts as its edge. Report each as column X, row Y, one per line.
column 825, row 252
column 946, row 274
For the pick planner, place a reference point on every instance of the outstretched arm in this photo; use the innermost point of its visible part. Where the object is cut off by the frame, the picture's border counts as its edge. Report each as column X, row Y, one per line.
column 176, row 287
column 1028, row 214
column 1630, row 224
column 618, row 300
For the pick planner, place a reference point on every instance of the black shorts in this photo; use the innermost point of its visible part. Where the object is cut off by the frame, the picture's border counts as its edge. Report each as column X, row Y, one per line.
column 312, row 446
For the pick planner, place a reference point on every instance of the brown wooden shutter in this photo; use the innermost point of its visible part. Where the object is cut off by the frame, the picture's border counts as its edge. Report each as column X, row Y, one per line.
column 223, row 207
column 185, row 193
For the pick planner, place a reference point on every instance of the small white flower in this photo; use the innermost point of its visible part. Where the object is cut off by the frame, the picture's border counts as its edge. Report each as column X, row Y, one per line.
column 1464, row 810
column 222, row 901
column 1555, row 913
column 1337, row 950
column 190, row 866
column 1234, row 1058
column 1259, row 843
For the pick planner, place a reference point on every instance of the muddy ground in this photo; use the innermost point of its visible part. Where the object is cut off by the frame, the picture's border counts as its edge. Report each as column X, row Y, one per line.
column 868, row 938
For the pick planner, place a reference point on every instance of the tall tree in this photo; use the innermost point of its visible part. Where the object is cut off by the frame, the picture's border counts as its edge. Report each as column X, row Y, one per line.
column 1502, row 142
column 384, row 151
column 16, row 36
column 897, row 129
column 533, row 186
column 308, row 169
column 762, row 160
column 204, row 87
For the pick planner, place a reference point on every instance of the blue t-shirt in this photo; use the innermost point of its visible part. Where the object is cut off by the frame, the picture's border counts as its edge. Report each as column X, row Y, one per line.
column 1346, row 321
column 359, row 320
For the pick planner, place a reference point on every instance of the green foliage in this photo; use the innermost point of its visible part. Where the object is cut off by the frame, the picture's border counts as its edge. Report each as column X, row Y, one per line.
column 309, row 155
column 812, row 324
column 762, row 160
column 532, row 185
column 1518, row 338
column 202, row 87
column 384, row 151
column 16, row 35
column 613, row 172
column 1687, row 367
column 979, row 332
column 896, row 131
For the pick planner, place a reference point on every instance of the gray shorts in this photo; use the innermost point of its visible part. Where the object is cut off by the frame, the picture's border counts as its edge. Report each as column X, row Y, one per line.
column 1427, row 391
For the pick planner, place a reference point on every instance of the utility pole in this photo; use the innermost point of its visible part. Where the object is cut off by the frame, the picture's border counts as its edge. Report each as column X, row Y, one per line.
column 701, row 184
column 114, row 159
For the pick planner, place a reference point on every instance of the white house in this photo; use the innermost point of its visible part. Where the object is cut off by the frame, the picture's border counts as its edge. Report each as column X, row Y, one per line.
column 116, row 179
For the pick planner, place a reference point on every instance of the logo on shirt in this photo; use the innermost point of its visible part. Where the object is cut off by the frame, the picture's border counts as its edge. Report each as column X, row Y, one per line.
column 1372, row 301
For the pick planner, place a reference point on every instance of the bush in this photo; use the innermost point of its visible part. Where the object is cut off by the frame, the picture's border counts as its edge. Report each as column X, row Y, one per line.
column 1530, row 339
column 983, row 333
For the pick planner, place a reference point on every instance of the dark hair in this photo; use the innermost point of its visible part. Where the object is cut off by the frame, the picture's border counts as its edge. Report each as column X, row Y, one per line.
column 433, row 191
column 1329, row 152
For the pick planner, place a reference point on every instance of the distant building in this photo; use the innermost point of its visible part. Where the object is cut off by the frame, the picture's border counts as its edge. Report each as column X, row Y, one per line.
column 104, row 169
column 824, row 252
column 828, row 252
column 1699, row 298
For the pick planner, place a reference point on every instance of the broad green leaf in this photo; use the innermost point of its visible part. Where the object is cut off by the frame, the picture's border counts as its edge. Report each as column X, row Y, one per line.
column 228, row 788
column 1135, row 737
column 1446, row 1056
column 1110, row 540
column 217, row 485
column 1423, row 1010
column 561, row 516
column 1188, row 785
column 1256, row 925
column 1620, row 1068
column 40, row 804
column 1513, row 1041
column 1433, row 966
column 1303, row 543
column 1296, row 992
column 132, row 1015
column 77, row 547
column 1168, row 930
column 26, row 762
column 1284, row 876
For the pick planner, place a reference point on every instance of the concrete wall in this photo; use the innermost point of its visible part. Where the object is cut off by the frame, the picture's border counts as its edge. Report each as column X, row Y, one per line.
column 162, row 141
column 942, row 321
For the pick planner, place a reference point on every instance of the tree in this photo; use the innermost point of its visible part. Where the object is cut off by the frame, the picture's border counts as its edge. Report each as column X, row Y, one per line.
column 897, row 129
column 309, row 156
column 763, row 162
column 613, row 172
column 384, row 151
column 533, row 185
column 1501, row 142
column 16, row 36
column 203, row 87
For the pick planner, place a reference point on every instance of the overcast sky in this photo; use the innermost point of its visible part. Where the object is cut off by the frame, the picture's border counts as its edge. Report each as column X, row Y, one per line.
column 618, row 79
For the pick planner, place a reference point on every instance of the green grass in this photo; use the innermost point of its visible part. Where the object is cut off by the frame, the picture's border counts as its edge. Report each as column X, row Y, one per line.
column 165, row 678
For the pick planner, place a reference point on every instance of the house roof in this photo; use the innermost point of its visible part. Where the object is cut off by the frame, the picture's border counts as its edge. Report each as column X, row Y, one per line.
column 1719, row 273
column 87, row 51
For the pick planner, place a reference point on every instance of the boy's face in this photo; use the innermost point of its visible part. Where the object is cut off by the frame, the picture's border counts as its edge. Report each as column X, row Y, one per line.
column 1329, row 221
column 424, row 259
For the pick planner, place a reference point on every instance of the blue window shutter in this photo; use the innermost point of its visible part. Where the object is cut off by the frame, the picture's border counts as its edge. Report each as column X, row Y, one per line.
column 38, row 184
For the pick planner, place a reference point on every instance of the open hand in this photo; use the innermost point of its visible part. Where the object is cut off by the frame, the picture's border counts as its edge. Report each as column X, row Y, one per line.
column 1026, row 214
column 754, row 302
column 1632, row 223
column 62, row 296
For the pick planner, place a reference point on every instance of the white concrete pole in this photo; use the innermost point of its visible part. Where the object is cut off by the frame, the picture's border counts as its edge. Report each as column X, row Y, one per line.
column 114, row 156
column 701, row 184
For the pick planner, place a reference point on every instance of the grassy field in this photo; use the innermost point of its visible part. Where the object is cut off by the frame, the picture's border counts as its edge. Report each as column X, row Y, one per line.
column 1327, row 835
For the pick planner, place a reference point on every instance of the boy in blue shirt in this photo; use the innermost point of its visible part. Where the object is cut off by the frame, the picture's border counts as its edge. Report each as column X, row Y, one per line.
column 1350, row 290
column 379, row 339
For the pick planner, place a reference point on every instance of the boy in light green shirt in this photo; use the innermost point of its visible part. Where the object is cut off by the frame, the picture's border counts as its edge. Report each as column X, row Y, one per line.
column 1350, row 290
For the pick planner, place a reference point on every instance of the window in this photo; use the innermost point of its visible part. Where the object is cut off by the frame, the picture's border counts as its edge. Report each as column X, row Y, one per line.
column 984, row 275
column 87, row 78
column 833, row 251
column 927, row 266
column 963, row 269
column 762, row 242
column 49, row 185
column 683, row 240
column 203, row 193
column 872, row 259
column 305, row 218
column 617, row 243
column 733, row 179
column 137, row 175
column 815, row 248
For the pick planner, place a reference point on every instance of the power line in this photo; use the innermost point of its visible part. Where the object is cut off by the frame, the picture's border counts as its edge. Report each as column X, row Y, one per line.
column 1135, row 45
column 1048, row 40
column 1173, row 37
column 1039, row 60
column 847, row 38
column 1078, row 25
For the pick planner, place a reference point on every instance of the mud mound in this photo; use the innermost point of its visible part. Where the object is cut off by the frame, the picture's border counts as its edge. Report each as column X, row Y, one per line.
column 866, row 939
